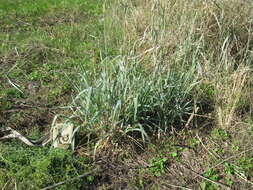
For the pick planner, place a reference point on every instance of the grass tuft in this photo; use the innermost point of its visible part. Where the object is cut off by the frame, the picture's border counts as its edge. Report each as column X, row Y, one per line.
column 124, row 96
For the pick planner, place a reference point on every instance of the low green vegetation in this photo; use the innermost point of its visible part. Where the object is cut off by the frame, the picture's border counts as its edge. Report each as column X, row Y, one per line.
column 37, row 168
column 160, row 93
column 157, row 166
column 43, row 43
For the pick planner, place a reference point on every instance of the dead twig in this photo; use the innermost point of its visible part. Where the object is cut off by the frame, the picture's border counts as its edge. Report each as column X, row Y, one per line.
column 11, row 133
column 244, row 178
column 231, row 157
column 5, row 185
column 15, row 134
column 191, row 117
column 168, row 186
column 205, row 178
column 195, row 110
column 16, row 86
column 216, row 156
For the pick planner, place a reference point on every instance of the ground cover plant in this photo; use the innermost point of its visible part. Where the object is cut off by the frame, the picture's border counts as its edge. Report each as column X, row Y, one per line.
column 160, row 93
column 42, row 42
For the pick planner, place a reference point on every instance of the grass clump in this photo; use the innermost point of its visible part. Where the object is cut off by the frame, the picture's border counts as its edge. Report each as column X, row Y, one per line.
column 125, row 96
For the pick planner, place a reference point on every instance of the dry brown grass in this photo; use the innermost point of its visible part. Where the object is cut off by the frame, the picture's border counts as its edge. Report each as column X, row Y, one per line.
column 216, row 35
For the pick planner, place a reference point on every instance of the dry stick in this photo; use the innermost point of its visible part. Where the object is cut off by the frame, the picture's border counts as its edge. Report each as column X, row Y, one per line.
column 191, row 117
column 72, row 179
column 239, row 175
column 225, row 160
column 176, row 186
column 5, row 185
column 211, row 153
column 203, row 177
column 231, row 157
column 14, row 85
column 16, row 188
column 15, row 134
column 195, row 110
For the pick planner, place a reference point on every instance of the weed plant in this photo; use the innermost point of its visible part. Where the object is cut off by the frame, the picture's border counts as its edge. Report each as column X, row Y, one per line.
column 124, row 96
column 40, row 167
